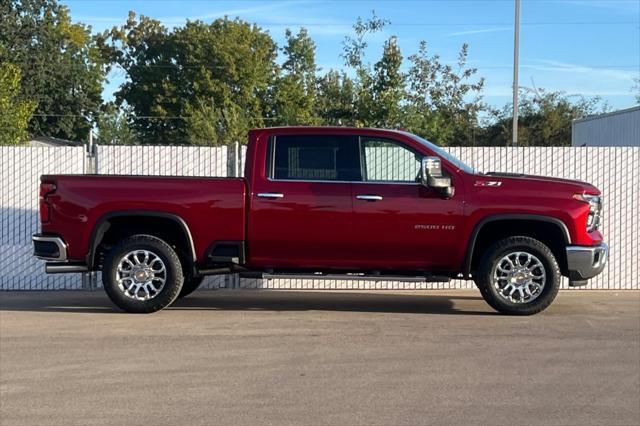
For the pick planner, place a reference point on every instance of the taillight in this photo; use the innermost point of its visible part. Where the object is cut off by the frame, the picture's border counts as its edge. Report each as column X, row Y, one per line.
column 46, row 188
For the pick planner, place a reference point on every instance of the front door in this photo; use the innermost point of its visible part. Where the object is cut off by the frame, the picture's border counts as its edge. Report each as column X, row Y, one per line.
column 399, row 223
column 301, row 212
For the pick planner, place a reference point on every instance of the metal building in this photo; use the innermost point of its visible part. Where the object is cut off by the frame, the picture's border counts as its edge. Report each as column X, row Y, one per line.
column 618, row 128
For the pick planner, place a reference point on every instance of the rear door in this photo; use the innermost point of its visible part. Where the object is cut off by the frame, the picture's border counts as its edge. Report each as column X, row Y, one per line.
column 301, row 212
column 398, row 222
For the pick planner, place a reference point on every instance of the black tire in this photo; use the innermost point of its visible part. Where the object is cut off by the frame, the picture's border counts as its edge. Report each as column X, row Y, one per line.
column 189, row 286
column 485, row 276
column 173, row 275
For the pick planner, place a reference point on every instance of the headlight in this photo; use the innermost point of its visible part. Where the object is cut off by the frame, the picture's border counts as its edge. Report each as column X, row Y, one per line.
column 594, row 219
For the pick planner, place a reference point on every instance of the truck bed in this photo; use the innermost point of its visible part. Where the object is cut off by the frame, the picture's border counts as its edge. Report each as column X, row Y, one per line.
column 212, row 208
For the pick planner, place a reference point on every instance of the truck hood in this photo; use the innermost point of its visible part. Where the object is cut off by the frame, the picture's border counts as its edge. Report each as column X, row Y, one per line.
column 569, row 184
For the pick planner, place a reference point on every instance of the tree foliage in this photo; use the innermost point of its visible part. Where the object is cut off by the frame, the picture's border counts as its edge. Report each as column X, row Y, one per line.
column 444, row 102
column 14, row 113
column 209, row 83
column 336, row 99
column 113, row 127
column 295, row 91
column 141, row 48
column 61, row 65
column 378, row 88
column 178, row 80
column 544, row 119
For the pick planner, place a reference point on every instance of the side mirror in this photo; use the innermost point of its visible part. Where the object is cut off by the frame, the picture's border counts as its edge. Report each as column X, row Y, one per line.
column 432, row 176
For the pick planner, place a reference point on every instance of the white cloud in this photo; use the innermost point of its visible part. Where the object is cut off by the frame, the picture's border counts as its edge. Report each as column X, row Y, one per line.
column 553, row 75
column 485, row 30
column 599, row 72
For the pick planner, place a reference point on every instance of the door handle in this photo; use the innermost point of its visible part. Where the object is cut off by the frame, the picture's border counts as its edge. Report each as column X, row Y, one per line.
column 369, row 197
column 271, row 195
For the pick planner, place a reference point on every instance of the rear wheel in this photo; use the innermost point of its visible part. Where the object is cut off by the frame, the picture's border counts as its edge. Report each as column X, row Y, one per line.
column 190, row 285
column 142, row 274
column 518, row 276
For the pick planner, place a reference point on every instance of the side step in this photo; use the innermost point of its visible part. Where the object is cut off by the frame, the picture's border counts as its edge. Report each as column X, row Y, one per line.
column 64, row 268
column 358, row 277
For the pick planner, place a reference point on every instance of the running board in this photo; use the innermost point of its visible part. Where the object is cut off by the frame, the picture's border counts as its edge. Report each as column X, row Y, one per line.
column 352, row 277
column 64, row 268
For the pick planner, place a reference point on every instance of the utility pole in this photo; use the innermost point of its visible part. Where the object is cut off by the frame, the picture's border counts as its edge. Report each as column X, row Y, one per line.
column 516, row 49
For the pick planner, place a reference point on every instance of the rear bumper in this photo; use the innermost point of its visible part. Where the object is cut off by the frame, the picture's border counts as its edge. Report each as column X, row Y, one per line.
column 584, row 262
column 49, row 247
column 53, row 249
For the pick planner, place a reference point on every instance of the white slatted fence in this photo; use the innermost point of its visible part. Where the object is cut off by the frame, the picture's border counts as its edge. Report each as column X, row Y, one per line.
column 616, row 171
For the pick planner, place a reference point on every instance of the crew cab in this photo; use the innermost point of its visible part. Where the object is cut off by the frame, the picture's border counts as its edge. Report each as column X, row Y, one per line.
column 326, row 201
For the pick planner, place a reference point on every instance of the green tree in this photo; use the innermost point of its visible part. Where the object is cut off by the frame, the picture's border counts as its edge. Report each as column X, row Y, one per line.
column 443, row 102
column 14, row 113
column 208, row 124
column 295, row 90
column 388, row 84
column 231, row 64
column 544, row 119
column 376, row 88
column 113, row 127
column 335, row 101
column 354, row 47
column 62, row 66
column 227, row 67
column 143, row 49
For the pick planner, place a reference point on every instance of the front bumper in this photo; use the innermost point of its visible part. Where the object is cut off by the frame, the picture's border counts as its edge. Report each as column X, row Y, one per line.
column 584, row 262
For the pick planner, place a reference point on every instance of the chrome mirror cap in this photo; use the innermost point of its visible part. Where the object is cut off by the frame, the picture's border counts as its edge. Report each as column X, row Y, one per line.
column 432, row 176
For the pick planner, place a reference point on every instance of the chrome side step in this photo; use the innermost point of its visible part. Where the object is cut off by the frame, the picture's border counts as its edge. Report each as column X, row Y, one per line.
column 64, row 268
column 352, row 277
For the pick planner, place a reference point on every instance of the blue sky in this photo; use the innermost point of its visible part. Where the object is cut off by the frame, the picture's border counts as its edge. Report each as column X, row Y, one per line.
column 582, row 47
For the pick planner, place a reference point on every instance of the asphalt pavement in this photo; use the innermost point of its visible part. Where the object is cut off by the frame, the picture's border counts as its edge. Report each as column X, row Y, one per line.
column 317, row 357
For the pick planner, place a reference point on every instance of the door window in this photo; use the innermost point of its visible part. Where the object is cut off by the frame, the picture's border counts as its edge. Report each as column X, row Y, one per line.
column 389, row 161
column 315, row 157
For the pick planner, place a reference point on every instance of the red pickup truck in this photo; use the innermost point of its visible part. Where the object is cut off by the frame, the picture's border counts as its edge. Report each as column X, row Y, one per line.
column 325, row 201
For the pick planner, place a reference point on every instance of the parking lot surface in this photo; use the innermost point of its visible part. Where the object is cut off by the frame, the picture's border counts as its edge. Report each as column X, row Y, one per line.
column 307, row 357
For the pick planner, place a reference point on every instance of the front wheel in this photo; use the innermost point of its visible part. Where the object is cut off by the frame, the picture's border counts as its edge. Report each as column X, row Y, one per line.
column 518, row 276
column 142, row 274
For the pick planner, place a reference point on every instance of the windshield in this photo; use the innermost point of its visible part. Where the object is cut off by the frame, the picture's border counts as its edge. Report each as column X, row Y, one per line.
column 444, row 154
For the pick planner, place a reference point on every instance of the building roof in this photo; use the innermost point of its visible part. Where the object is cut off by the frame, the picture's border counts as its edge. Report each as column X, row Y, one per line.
column 51, row 141
column 608, row 114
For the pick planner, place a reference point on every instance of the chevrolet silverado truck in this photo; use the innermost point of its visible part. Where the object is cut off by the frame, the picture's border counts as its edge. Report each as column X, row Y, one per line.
column 322, row 202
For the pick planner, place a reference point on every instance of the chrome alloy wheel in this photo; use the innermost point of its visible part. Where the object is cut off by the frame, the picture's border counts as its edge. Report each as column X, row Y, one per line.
column 141, row 274
column 519, row 277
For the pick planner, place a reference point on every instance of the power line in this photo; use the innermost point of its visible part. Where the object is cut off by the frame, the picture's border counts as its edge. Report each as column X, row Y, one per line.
column 122, row 69
column 392, row 24
column 469, row 65
column 146, row 117
column 357, row 1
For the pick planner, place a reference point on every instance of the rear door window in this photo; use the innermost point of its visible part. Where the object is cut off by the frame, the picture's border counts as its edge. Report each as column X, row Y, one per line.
column 315, row 158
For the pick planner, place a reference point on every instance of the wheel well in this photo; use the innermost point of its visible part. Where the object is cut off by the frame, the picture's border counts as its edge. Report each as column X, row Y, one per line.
column 112, row 230
column 549, row 233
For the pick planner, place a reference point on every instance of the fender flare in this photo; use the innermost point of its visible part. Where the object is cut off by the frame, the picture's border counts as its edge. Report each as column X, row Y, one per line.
column 102, row 225
column 466, row 269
